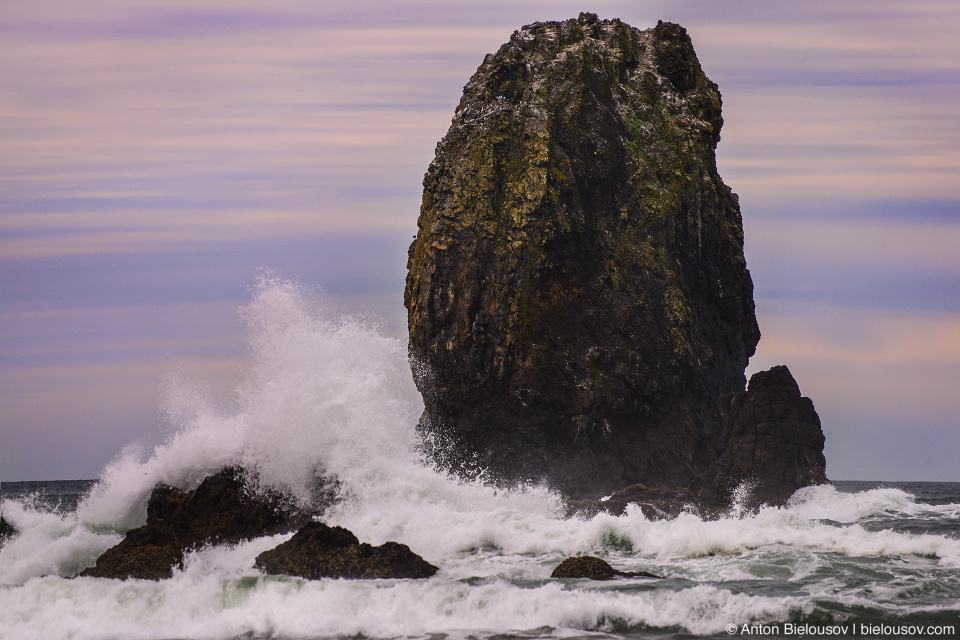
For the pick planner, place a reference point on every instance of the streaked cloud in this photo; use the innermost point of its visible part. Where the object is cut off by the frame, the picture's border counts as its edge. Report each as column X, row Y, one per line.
column 67, row 421
column 130, row 144
column 156, row 154
column 883, row 382
column 864, row 244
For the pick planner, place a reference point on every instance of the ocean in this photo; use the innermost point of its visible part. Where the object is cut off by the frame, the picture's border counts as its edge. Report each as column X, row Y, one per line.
column 333, row 396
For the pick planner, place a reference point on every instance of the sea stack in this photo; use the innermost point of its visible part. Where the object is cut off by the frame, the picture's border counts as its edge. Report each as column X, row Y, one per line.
column 578, row 299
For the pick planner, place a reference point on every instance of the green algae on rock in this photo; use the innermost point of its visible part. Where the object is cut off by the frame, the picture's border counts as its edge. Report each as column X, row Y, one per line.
column 578, row 298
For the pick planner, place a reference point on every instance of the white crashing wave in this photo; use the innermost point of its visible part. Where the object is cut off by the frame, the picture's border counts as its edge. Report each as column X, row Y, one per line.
column 333, row 395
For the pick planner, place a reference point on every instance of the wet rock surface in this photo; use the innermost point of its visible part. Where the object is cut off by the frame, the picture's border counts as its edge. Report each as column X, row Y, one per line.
column 595, row 569
column 577, row 294
column 655, row 504
column 7, row 530
column 773, row 445
column 317, row 551
column 221, row 510
column 579, row 307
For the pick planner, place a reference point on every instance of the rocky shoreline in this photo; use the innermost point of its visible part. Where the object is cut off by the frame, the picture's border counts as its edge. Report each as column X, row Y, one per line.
column 223, row 510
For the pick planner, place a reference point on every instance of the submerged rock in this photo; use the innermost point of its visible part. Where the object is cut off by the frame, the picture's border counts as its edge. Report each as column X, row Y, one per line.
column 318, row 551
column 578, row 299
column 595, row 569
column 7, row 530
column 221, row 510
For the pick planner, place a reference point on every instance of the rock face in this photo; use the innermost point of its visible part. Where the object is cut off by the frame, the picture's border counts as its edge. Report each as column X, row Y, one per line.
column 593, row 568
column 772, row 446
column 578, row 299
column 773, row 439
column 220, row 510
column 318, row 551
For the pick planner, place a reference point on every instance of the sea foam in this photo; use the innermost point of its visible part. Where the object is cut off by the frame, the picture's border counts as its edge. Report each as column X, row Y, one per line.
column 334, row 397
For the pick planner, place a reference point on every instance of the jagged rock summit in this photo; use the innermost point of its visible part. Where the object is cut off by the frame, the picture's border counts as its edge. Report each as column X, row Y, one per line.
column 578, row 299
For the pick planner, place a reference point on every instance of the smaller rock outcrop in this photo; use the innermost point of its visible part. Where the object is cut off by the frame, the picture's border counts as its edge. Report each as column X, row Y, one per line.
column 773, row 442
column 7, row 530
column 595, row 569
column 318, row 551
column 220, row 510
column 772, row 446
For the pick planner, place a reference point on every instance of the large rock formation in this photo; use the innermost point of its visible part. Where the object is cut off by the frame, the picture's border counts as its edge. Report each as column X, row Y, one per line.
column 578, row 300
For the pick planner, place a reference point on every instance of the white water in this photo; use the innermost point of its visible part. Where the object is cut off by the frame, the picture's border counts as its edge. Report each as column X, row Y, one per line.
column 333, row 395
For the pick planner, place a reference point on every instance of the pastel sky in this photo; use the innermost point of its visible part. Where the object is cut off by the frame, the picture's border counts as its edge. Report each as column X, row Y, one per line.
column 154, row 155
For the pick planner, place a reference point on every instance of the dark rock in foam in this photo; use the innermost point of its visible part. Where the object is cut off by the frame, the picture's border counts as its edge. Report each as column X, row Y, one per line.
column 224, row 510
column 318, row 551
column 655, row 504
column 578, row 299
column 221, row 510
column 593, row 568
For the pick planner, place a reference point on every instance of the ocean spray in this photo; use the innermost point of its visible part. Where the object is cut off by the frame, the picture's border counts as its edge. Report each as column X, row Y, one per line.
column 333, row 396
